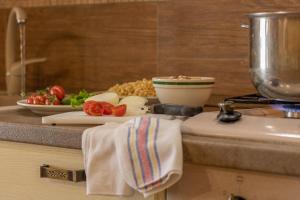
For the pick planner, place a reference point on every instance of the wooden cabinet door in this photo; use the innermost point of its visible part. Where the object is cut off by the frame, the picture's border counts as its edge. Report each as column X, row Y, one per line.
column 211, row 183
column 20, row 174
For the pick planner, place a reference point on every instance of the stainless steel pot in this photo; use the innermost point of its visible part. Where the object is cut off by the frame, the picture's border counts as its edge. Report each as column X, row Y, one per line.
column 275, row 54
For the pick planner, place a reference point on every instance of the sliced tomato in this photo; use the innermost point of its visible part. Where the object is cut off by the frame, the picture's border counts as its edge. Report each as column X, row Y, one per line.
column 119, row 111
column 96, row 109
column 93, row 108
column 58, row 91
column 107, row 108
column 86, row 106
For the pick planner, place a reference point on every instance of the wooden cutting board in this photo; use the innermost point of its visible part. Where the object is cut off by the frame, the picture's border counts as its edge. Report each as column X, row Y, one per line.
column 79, row 117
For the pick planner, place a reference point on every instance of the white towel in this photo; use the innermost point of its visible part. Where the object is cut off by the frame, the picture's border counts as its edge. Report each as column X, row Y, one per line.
column 101, row 164
column 147, row 156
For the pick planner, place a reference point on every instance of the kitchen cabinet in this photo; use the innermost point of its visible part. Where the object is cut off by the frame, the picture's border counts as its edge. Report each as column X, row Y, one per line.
column 211, row 183
column 20, row 174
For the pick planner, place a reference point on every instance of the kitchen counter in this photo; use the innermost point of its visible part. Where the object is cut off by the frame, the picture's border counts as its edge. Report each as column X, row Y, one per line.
column 20, row 125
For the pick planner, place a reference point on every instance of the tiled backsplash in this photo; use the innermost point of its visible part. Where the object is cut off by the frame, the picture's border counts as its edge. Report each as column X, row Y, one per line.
column 44, row 3
column 90, row 46
column 95, row 46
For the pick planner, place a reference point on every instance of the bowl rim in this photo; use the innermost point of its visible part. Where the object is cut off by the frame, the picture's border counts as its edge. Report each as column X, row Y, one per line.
column 194, row 80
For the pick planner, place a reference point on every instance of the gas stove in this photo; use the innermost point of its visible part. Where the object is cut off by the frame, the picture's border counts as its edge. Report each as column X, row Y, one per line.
column 255, row 125
column 270, row 121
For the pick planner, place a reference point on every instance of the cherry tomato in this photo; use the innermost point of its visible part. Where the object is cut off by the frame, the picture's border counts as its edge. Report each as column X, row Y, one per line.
column 41, row 99
column 51, row 100
column 48, row 102
column 58, row 91
column 119, row 111
column 36, row 101
column 29, row 100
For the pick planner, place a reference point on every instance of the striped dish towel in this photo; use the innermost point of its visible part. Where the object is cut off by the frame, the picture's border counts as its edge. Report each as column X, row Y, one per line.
column 149, row 153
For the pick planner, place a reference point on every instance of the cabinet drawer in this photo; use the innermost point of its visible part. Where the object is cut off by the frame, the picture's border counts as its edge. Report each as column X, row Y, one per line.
column 20, row 174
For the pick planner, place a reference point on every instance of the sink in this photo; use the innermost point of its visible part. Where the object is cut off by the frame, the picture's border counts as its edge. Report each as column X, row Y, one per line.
column 8, row 100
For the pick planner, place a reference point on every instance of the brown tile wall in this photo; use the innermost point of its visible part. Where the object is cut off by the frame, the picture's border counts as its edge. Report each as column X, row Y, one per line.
column 43, row 3
column 90, row 47
column 95, row 46
column 203, row 37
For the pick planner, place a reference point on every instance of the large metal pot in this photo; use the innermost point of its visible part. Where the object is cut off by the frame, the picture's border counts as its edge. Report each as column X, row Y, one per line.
column 275, row 54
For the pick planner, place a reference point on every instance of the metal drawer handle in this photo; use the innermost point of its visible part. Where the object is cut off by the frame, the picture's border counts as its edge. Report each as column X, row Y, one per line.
column 47, row 171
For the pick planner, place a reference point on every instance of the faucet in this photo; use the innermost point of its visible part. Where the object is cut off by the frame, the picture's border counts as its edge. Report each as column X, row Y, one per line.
column 15, row 66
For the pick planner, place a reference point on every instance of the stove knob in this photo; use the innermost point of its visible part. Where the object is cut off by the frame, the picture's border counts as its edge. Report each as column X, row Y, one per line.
column 226, row 107
column 227, row 113
column 235, row 197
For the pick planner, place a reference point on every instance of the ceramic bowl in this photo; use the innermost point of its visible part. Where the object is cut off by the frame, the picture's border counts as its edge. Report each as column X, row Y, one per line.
column 182, row 90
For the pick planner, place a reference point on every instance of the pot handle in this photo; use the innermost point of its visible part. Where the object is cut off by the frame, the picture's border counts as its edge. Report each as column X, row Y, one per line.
column 246, row 26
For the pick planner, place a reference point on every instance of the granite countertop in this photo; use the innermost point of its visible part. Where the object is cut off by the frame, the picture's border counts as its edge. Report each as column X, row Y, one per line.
column 20, row 125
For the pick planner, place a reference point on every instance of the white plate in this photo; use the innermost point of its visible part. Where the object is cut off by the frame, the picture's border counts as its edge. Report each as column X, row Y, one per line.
column 47, row 109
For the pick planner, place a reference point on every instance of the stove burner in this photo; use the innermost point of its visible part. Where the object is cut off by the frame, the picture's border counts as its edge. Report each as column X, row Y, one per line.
column 257, row 99
column 290, row 109
column 294, row 115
